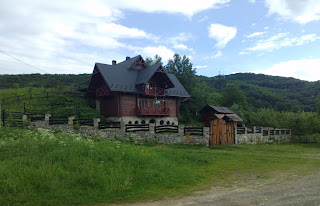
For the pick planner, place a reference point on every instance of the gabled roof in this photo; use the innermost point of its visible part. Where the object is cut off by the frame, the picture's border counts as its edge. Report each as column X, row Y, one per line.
column 122, row 77
column 209, row 109
column 220, row 113
column 145, row 74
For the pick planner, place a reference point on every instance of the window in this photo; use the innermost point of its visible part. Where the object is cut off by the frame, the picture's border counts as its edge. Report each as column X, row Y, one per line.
column 143, row 122
column 161, row 122
column 152, row 121
column 136, row 122
column 157, row 104
column 147, row 103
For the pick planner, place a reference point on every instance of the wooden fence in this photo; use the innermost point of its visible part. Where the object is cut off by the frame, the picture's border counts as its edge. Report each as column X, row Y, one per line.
column 266, row 131
column 58, row 120
column 109, row 125
column 12, row 119
column 166, row 129
column 136, row 127
column 193, row 131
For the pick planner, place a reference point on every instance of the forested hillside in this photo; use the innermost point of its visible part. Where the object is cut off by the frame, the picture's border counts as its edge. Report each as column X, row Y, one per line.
column 264, row 91
column 75, row 81
column 261, row 91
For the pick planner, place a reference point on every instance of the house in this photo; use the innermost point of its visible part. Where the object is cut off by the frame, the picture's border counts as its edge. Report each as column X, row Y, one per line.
column 222, row 122
column 133, row 93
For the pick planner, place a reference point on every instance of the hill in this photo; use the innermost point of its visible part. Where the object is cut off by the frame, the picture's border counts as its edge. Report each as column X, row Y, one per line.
column 264, row 91
column 73, row 81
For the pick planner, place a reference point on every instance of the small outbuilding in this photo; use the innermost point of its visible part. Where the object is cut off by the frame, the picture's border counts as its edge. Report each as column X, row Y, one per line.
column 222, row 122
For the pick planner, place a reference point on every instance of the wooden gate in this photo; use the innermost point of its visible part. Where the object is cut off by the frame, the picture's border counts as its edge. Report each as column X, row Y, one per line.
column 222, row 132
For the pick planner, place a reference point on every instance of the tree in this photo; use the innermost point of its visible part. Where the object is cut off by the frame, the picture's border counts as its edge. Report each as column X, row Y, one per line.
column 157, row 60
column 234, row 95
column 183, row 69
column 318, row 103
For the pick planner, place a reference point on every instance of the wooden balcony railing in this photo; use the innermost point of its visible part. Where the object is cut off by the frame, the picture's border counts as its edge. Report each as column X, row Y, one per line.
column 102, row 91
column 155, row 91
column 153, row 111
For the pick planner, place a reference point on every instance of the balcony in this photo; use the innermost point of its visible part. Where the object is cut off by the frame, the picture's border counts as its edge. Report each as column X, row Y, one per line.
column 153, row 111
column 155, row 91
column 102, row 91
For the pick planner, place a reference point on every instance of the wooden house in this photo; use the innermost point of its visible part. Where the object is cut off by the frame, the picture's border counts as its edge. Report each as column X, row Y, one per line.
column 134, row 93
column 222, row 122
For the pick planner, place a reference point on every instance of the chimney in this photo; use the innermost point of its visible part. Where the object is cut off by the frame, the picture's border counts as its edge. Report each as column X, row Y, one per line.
column 127, row 58
column 114, row 62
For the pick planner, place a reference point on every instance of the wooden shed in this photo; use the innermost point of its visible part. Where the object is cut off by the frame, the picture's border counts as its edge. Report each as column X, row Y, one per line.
column 222, row 122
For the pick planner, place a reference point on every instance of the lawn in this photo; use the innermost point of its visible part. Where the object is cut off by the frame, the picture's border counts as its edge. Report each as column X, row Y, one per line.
column 46, row 168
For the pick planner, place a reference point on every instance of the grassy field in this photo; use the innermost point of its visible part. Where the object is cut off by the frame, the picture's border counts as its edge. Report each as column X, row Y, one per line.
column 45, row 168
column 56, row 104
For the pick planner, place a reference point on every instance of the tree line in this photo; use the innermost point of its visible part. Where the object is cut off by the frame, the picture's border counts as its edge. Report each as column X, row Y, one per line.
column 261, row 100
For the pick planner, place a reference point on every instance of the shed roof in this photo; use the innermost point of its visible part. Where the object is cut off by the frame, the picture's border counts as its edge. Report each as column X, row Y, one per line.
column 209, row 109
column 122, row 77
column 232, row 118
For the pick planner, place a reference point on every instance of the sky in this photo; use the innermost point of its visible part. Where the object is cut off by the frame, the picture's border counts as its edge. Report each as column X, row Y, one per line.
column 274, row 37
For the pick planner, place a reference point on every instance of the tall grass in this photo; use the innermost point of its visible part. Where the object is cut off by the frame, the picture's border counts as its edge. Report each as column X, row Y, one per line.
column 56, row 104
column 46, row 168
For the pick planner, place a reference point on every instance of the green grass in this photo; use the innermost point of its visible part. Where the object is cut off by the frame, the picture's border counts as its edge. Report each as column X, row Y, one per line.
column 45, row 168
column 56, row 104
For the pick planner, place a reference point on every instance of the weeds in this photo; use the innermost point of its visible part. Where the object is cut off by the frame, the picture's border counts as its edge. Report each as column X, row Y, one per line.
column 48, row 168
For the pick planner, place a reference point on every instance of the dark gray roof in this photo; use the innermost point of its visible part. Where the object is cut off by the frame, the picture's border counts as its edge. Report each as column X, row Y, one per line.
column 209, row 109
column 233, row 118
column 178, row 89
column 145, row 74
column 122, row 78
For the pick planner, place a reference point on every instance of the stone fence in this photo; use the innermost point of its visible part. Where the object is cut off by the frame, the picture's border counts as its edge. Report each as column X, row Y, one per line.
column 170, row 134
column 178, row 136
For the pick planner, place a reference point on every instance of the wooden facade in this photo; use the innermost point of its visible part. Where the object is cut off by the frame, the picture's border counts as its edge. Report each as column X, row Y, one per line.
column 146, row 97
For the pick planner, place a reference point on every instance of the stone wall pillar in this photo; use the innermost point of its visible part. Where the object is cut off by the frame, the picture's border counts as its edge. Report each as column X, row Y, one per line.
column 206, row 135
column 98, row 105
column 47, row 117
column 70, row 120
column 96, row 123
column 254, row 129
column 181, row 129
column 151, row 128
column 24, row 118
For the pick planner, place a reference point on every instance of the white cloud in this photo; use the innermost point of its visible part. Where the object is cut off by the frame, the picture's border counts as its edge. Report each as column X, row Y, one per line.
column 252, row 1
column 176, row 42
column 149, row 51
column 216, row 55
column 255, row 34
column 305, row 69
column 187, row 8
column 201, row 67
column 301, row 11
column 181, row 37
column 282, row 40
column 222, row 34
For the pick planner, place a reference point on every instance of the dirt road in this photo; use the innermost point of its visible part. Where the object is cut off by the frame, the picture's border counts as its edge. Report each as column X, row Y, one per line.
column 280, row 191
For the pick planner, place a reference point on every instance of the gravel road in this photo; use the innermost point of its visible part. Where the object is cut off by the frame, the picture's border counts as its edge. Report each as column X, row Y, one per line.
column 280, row 191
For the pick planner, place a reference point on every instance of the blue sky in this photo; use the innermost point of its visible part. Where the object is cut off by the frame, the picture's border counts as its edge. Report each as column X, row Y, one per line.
column 275, row 37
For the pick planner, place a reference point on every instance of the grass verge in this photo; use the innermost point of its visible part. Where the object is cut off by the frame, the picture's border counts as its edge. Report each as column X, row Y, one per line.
column 45, row 168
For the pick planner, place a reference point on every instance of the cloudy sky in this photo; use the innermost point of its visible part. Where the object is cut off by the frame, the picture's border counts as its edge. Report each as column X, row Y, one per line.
column 276, row 37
